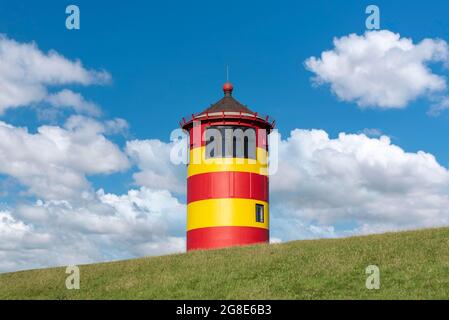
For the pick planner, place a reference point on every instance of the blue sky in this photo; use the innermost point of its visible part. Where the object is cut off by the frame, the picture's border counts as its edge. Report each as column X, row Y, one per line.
column 168, row 59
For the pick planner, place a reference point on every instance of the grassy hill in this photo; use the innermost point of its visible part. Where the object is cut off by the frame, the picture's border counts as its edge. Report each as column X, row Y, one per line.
column 412, row 264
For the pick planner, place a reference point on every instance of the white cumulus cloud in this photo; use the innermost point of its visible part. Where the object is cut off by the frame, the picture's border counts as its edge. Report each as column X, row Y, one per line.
column 54, row 161
column 68, row 98
column 380, row 69
column 156, row 170
column 27, row 74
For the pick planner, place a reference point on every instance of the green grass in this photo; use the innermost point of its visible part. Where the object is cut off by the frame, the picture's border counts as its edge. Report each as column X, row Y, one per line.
column 413, row 265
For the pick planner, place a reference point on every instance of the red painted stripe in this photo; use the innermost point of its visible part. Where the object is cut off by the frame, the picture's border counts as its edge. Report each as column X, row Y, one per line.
column 227, row 184
column 221, row 237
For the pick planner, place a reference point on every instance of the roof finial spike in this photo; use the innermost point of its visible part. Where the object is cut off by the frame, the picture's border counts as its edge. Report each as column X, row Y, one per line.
column 227, row 87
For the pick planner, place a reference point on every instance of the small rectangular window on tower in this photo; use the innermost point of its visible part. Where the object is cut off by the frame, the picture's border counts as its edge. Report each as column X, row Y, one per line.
column 259, row 212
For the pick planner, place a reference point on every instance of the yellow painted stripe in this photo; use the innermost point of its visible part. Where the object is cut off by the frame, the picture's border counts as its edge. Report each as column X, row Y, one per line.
column 199, row 164
column 225, row 212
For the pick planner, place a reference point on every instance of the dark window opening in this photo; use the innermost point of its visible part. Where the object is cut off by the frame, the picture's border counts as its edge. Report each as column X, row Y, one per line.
column 212, row 150
column 230, row 142
column 259, row 213
column 246, row 147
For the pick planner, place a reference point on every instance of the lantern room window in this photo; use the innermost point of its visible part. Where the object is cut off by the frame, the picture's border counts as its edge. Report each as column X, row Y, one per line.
column 230, row 142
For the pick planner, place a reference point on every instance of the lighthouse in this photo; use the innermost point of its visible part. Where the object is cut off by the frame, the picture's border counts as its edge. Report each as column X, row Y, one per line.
column 227, row 175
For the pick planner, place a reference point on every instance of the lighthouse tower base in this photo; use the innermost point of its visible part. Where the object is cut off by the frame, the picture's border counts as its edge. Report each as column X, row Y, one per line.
column 222, row 237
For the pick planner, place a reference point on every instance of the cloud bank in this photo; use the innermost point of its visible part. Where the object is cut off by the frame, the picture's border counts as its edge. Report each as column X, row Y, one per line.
column 342, row 186
column 27, row 74
column 361, row 184
column 102, row 227
column 53, row 162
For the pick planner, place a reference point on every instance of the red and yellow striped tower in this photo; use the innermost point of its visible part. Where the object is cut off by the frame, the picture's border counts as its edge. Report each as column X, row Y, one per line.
column 227, row 179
